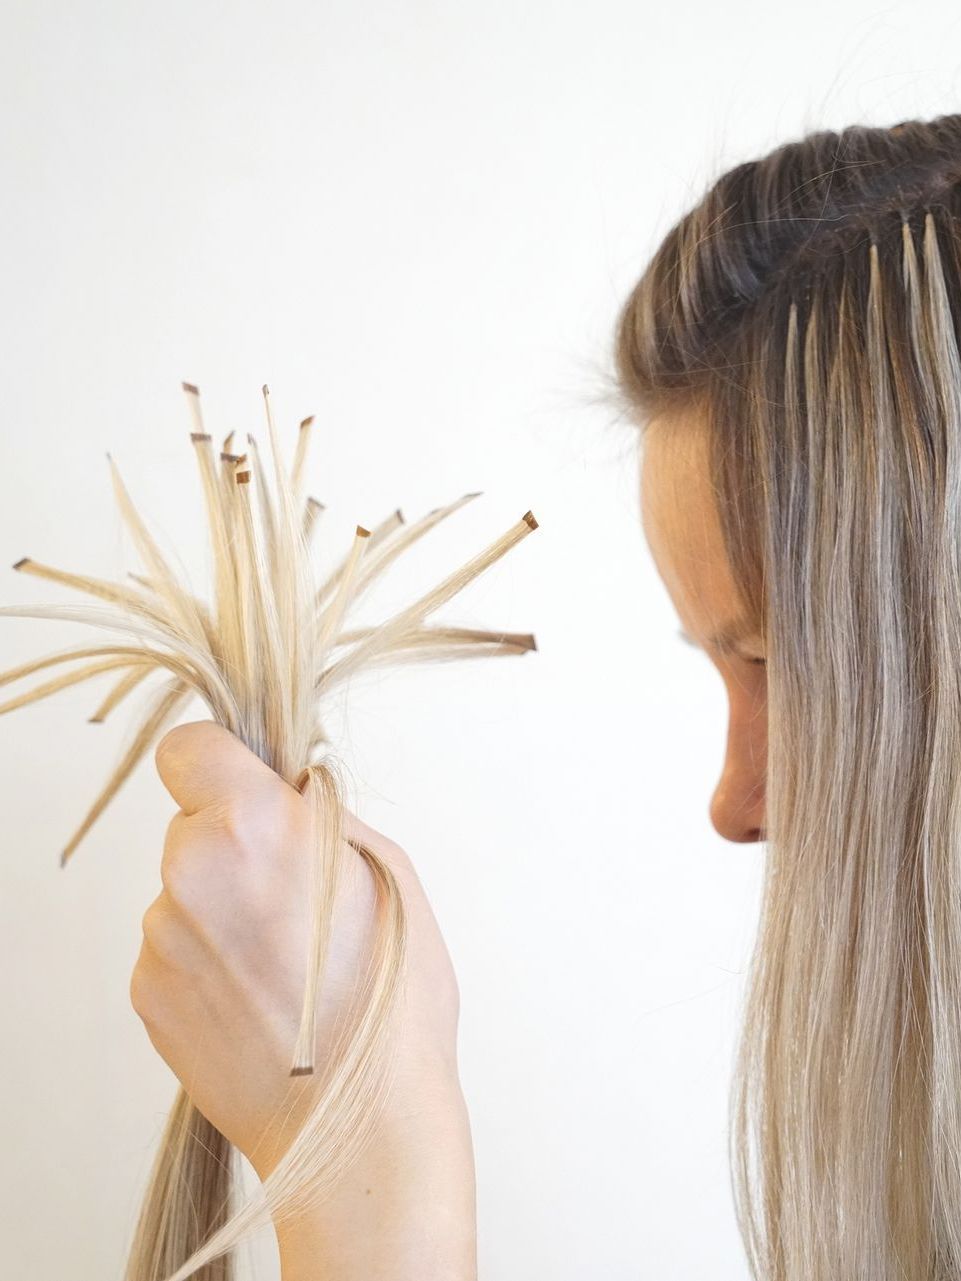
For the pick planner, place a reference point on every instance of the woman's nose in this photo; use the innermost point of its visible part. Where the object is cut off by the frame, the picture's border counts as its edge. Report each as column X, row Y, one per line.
column 737, row 804
column 737, row 813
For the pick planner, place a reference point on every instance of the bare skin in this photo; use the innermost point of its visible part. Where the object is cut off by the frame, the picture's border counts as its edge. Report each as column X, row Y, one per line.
column 219, row 985
column 683, row 532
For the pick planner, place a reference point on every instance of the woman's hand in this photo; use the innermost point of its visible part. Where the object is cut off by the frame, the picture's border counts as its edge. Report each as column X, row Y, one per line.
column 220, row 978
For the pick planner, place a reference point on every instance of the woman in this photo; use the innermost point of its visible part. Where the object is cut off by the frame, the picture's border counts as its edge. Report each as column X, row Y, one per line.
column 791, row 358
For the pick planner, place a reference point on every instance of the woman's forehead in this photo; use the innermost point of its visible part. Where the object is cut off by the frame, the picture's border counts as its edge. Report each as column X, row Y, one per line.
column 682, row 525
column 677, row 500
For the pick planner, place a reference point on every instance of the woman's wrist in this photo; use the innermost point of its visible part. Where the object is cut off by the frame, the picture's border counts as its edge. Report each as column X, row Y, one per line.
column 405, row 1210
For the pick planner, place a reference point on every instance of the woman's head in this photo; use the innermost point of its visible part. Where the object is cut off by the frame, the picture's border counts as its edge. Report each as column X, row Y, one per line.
column 791, row 356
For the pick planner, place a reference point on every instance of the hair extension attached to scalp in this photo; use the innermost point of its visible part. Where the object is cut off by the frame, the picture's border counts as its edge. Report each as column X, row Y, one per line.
column 807, row 315
column 263, row 655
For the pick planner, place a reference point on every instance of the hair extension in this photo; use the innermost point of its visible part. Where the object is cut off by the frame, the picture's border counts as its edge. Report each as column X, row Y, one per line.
column 263, row 655
column 806, row 314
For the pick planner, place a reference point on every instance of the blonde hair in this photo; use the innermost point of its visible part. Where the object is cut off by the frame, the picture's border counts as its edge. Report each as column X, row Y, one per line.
column 809, row 309
column 263, row 656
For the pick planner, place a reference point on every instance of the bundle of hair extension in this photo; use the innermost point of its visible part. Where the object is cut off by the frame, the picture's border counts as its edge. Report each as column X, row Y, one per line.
column 262, row 655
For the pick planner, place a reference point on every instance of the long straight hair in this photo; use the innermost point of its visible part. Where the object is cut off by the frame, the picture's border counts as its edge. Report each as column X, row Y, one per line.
column 264, row 655
column 807, row 311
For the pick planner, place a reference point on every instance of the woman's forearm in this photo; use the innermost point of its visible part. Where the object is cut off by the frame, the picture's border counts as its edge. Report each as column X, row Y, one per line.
column 405, row 1211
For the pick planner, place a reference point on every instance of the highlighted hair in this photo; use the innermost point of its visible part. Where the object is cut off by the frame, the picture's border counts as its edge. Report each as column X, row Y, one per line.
column 263, row 655
column 807, row 313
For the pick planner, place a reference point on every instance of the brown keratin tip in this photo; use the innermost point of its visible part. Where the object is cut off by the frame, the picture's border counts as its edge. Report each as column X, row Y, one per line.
column 305, row 422
column 63, row 859
column 362, row 533
column 21, row 562
column 302, row 1071
column 242, row 477
column 529, row 517
column 94, row 720
column 194, row 391
column 266, row 390
column 199, row 435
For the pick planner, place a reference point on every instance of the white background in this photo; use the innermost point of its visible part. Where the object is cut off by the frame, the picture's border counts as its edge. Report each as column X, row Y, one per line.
column 417, row 221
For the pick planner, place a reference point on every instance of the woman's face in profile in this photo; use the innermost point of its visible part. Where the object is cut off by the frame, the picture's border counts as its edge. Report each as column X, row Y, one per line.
column 683, row 531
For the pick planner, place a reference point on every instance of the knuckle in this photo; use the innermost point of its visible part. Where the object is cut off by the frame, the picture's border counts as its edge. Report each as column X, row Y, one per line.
column 141, row 991
column 224, row 834
column 232, row 821
column 180, row 889
column 159, row 928
column 148, row 922
column 153, row 925
column 184, row 889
